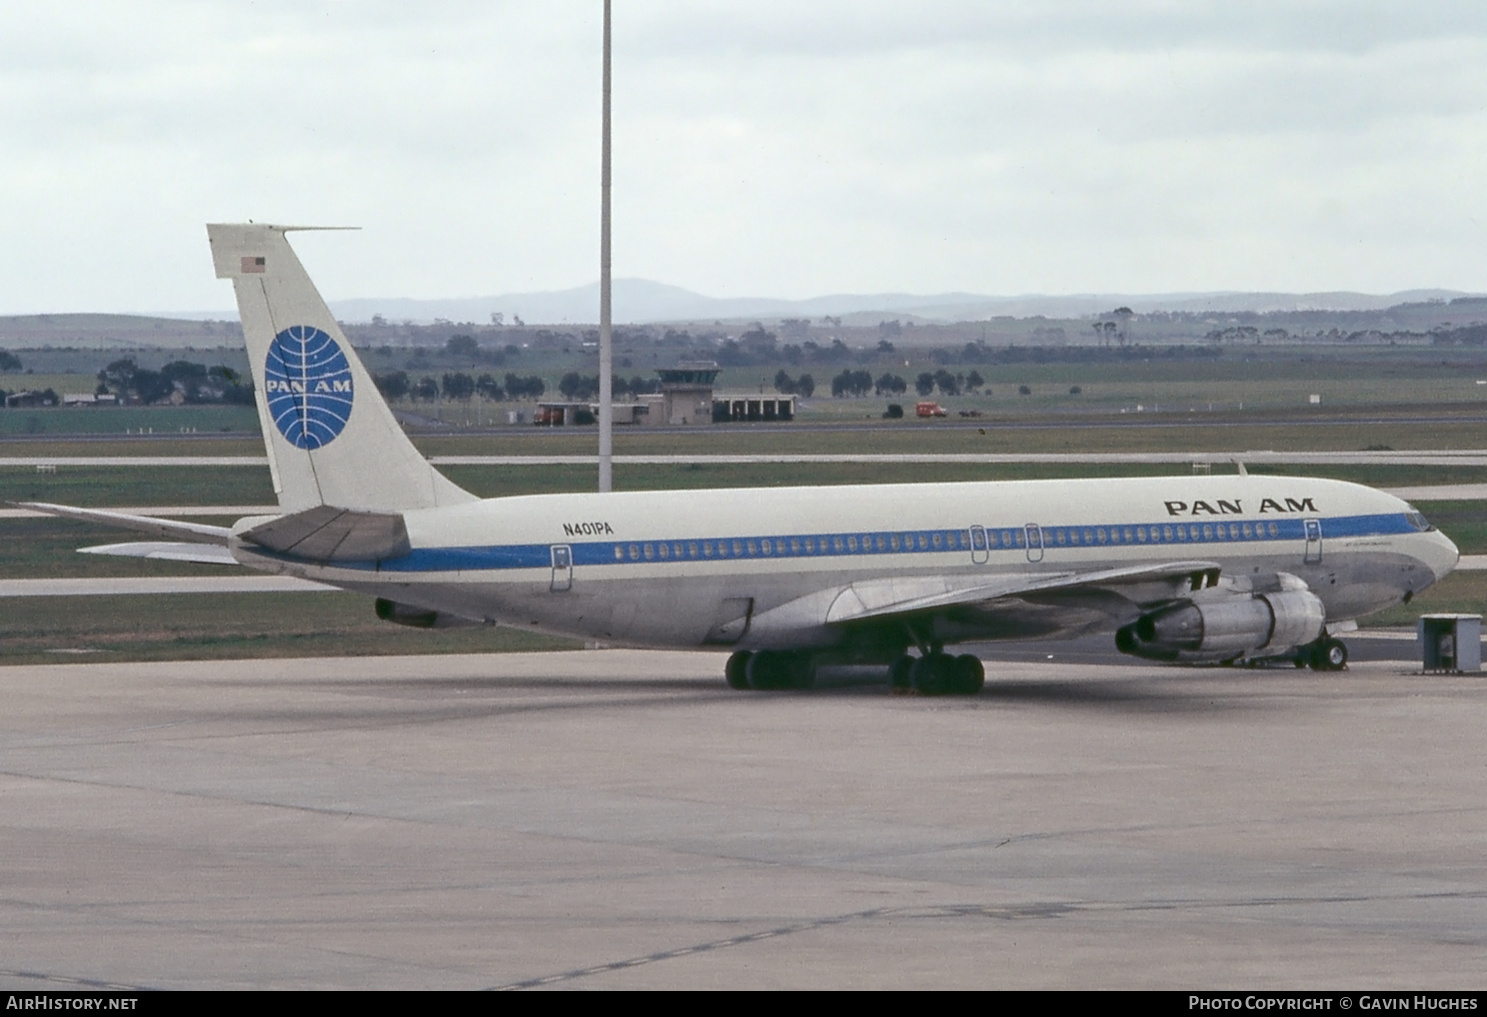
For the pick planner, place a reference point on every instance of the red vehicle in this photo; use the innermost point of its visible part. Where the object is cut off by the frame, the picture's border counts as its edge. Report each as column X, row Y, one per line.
column 929, row 409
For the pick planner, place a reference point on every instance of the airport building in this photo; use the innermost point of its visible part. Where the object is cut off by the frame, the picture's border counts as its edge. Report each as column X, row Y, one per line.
column 687, row 397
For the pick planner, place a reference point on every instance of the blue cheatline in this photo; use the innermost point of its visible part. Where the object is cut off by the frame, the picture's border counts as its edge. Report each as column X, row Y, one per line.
column 307, row 382
column 681, row 550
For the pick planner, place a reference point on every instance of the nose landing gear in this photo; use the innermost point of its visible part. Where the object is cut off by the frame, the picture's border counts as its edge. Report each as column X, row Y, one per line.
column 1326, row 654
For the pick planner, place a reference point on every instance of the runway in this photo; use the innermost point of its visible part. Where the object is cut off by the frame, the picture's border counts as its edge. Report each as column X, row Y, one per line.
column 619, row 819
column 1421, row 457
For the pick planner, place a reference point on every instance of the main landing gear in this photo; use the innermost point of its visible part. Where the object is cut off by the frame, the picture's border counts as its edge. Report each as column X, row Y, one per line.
column 1326, row 654
column 770, row 669
column 935, row 674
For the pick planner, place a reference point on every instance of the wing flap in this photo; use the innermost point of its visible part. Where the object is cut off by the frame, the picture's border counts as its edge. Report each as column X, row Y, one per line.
column 877, row 598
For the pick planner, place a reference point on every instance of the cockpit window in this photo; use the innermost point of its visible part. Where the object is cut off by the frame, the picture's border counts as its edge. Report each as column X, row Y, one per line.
column 1417, row 519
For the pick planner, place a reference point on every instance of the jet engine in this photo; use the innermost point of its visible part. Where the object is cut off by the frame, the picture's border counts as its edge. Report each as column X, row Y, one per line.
column 420, row 617
column 1226, row 625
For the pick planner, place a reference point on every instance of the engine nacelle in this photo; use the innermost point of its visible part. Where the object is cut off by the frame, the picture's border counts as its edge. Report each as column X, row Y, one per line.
column 421, row 617
column 1228, row 626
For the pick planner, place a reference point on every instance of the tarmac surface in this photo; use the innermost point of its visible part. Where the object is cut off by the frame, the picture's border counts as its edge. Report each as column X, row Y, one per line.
column 621, row 819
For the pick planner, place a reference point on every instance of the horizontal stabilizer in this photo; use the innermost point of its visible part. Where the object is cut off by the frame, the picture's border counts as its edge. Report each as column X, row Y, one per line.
column 204, row 554
column 198, row 533
column 326, row 533
column 876, row 598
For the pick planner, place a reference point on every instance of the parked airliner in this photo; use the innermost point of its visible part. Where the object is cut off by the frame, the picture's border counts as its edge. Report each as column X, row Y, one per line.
column 1185, row 569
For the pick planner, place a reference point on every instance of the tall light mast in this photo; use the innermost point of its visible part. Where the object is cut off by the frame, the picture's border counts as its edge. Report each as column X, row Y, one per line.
column 606, row 338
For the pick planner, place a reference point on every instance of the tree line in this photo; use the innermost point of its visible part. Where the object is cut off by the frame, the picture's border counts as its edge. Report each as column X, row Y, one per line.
column 459, row 386
column 859, row 383
column 178, row 381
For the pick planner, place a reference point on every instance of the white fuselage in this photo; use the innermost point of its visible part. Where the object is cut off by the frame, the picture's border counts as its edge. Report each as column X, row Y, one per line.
column 761, row 567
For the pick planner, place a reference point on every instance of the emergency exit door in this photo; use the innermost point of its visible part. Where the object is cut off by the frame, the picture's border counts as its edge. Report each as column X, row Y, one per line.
column 1034, row 542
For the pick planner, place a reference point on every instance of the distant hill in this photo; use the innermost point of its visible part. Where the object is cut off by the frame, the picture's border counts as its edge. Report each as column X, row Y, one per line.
column 123, row 331
column 640, row 301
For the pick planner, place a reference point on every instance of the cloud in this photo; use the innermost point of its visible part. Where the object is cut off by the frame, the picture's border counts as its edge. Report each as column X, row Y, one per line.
column 761, row 149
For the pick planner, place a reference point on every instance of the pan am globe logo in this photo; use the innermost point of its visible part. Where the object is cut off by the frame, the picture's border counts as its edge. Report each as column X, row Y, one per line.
column 307, row 383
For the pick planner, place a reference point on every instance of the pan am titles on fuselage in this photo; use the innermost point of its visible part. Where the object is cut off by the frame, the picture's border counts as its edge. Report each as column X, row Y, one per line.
column 1182, row 569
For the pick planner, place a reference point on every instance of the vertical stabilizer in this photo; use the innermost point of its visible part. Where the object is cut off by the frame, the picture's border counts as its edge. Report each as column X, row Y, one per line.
column 331, row 438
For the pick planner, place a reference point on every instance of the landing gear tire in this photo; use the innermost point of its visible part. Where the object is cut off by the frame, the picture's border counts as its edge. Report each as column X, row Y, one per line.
column 769, row 670
column 1329, row 655
column 970, row 674
column 736, row 670
column 940, row 674
column 898, row 674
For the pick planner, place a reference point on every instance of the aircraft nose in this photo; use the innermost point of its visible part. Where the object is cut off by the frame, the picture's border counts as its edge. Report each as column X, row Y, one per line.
column 1442, row 556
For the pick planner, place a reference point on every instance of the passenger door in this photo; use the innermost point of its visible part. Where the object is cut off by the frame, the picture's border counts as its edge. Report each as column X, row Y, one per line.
column 1313, row 529
column 562, row 568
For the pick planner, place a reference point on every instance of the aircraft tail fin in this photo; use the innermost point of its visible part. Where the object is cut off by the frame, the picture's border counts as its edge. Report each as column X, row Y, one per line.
column 330, row 436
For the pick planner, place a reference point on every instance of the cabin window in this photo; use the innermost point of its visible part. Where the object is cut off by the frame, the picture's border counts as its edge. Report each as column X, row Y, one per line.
column 634, row 552
column 881, row 543
column 650, row 552
column 1208, row 533
column 938, row 539
column 893, row 542
column 1274, row 530
column 767, row 546
column 662, row 552
column 1100, row 535
column 1167, row 532
column 1234, row 531
column 1249, row 532
column 619, row 553
column 722, row 549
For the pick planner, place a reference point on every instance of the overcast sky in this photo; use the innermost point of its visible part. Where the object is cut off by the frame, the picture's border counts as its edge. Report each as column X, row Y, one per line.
column 762, row 148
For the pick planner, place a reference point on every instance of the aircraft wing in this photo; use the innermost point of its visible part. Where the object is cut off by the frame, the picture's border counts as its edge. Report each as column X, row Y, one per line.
column 880, row 598
column 196, row 533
